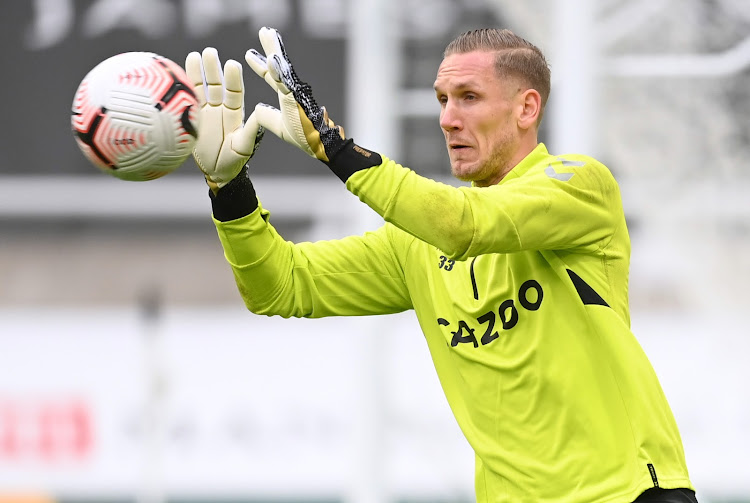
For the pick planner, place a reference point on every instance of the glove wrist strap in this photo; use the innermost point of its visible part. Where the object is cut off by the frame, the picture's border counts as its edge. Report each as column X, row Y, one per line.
column 234, row 200
column 352, row 158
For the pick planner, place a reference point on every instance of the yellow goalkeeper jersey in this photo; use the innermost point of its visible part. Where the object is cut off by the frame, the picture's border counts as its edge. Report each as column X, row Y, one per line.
column 521, row 292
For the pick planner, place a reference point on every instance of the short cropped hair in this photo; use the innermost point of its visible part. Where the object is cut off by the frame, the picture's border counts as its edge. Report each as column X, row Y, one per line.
column 515, row 57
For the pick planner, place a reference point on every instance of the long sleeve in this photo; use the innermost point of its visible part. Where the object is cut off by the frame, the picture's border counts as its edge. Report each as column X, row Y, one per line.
column 357, row 275
column 558, row 203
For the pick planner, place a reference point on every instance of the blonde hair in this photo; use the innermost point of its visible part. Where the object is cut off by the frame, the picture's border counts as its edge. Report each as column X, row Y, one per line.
column 516, row 57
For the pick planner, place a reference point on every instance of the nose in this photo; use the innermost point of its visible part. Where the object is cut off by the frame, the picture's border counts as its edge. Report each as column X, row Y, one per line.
column 449, row 117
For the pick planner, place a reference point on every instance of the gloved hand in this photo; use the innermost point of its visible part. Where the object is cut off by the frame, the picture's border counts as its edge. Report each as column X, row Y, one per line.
column 300, row 121
column 224, row 143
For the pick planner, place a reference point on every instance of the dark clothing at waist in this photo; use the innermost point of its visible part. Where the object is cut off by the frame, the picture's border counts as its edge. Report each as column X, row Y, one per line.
column 659, row 495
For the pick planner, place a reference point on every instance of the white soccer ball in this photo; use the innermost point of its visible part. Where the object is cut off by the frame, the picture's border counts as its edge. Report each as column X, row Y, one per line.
column 135, row 116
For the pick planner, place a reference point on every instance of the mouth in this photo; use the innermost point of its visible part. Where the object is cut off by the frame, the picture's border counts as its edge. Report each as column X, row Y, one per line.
column 457, row 146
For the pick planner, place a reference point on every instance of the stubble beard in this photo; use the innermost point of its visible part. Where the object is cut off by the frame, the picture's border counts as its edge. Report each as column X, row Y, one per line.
column 493, row 169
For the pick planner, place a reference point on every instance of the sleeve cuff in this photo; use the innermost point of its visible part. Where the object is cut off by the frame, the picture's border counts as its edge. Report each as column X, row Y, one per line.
column 235, row 200
column 352, row 158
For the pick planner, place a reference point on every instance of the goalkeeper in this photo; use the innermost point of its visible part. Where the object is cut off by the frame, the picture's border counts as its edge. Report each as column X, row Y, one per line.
column 519, row 282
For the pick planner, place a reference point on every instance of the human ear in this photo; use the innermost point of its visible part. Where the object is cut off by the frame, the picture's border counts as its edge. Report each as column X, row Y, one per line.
column 530, row 105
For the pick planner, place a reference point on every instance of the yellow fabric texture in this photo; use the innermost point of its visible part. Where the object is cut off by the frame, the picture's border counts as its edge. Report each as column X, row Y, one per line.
column 548, row 384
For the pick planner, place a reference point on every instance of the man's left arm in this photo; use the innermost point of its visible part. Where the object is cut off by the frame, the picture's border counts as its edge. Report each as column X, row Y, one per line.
column 536, row 211
column 533, row 212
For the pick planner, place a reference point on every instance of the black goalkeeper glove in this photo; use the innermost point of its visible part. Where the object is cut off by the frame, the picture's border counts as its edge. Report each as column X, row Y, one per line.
column 300, row 121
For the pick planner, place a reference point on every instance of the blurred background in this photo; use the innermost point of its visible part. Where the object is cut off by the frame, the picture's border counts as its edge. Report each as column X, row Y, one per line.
column 130, row 370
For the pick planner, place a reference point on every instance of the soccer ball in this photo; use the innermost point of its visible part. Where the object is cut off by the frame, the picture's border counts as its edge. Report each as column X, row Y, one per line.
column 135, row 116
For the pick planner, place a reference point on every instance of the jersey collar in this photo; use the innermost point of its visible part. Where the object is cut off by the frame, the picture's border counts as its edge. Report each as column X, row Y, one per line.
column 534, row 157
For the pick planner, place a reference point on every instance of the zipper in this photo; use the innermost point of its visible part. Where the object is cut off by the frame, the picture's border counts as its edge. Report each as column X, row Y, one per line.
column 474, row 279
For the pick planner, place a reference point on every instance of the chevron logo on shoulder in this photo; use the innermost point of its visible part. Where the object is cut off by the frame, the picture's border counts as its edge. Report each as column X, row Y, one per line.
column 563, row 177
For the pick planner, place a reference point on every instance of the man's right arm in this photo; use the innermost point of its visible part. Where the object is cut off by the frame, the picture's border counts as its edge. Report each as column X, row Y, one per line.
column 357, row 275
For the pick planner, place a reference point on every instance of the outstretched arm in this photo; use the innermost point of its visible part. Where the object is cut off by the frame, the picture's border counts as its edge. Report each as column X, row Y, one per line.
column 359, row 275
column 537, row 211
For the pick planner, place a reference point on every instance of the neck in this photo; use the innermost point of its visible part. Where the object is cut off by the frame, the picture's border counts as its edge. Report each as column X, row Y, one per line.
column 527, row 143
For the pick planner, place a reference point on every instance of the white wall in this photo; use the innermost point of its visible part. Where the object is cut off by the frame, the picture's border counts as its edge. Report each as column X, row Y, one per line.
column 252, row 406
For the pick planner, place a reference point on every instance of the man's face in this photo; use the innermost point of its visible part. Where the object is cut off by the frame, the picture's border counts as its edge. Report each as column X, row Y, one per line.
column 478, row 117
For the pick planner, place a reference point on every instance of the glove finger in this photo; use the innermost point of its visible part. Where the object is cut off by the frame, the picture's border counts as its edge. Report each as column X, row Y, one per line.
column 259, row 65
column 257, row 62
column 194, row 71
column 281, row 72
column 234, row 86
column 270, row 39
column 270, row 118
column 234, row 94
column 246, row 139
column 214, row 78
